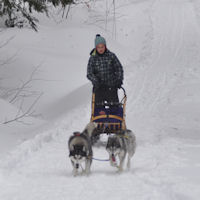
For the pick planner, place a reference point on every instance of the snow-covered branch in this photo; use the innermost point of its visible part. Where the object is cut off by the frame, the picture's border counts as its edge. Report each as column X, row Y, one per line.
column 21, row 115
column 23, row 89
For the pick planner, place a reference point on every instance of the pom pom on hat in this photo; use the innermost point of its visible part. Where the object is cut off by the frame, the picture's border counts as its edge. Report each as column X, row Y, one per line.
column 99, row 40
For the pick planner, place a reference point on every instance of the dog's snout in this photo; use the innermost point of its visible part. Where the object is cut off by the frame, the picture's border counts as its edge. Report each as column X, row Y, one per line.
column 77, row 166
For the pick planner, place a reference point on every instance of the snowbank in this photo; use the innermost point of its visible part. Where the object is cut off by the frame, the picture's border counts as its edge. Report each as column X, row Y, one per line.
column 158, row 43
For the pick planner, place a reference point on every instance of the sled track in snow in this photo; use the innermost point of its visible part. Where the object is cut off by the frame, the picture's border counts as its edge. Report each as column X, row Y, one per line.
column 40, row 168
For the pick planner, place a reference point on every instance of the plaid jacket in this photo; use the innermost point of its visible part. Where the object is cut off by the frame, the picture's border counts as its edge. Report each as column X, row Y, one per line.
column 104, row 69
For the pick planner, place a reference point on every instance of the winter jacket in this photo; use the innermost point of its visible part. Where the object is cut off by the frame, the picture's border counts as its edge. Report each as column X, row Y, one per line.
column 104, row 69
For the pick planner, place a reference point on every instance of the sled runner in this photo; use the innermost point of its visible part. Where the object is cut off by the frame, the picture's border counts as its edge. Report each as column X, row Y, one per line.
column 109, row 116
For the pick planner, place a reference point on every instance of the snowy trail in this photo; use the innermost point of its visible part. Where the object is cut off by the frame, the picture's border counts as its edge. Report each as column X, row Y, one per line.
column 174, row 32
column 40, row 169
column 46, row 174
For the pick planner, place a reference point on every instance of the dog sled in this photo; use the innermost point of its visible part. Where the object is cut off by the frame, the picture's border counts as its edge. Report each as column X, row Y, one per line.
column 109, row 116
column 106, row 118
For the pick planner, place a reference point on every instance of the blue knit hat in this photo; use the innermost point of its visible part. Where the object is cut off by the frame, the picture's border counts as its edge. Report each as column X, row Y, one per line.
column 99, row 40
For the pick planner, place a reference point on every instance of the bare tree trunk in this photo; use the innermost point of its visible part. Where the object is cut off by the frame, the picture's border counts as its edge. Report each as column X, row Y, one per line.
column 106, row 24
column 68, row 9
column 114, row 20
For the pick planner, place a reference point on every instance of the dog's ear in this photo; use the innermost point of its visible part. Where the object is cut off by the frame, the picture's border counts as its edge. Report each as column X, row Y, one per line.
column 77, row 133
column 86, row 132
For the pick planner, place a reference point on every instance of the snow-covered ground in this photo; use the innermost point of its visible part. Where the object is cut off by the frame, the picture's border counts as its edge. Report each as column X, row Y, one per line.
column 158, row 42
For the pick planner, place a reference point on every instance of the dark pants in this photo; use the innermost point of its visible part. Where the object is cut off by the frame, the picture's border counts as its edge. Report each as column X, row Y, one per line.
column 109, row 94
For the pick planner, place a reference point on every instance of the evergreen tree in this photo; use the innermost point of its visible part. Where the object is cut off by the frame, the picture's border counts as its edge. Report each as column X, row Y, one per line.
column 17, row 12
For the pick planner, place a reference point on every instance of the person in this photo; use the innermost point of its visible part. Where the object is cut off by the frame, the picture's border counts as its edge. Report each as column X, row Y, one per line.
column 105, row 72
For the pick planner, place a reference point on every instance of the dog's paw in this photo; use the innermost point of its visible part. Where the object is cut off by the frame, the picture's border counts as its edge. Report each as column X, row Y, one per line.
column 120, row 169
column 75, row 174
column 86, row 172
column 113, row 164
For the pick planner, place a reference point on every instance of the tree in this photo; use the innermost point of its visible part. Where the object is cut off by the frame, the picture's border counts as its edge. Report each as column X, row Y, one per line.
column 19, row 12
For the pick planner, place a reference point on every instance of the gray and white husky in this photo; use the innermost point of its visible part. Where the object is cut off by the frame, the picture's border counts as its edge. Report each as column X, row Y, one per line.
column 80, row 149
column 120, row 145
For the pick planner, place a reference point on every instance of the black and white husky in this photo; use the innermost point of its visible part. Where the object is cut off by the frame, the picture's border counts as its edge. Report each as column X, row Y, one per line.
column 120, row 145
column 80, row 149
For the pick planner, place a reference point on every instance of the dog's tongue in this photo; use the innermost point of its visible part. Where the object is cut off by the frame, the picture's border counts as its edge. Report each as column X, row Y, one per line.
column 113, row 158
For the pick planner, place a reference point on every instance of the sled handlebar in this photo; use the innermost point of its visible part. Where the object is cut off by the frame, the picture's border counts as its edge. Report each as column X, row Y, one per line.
column 123, row 91
column 125, row 96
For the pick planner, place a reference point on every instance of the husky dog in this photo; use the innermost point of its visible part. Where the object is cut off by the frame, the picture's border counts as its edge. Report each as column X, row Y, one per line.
column 80, row 149
column 120, row 145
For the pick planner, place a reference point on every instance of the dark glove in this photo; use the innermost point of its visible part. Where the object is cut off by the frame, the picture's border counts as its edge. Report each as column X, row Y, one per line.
column 96, row 86
column 95, row 89
column 119, row 85
column 95, row 82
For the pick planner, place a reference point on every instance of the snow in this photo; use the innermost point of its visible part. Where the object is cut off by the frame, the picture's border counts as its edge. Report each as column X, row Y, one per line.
column 159, row 45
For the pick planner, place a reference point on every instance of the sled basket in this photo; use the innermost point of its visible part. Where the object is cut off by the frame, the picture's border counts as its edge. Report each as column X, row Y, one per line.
column 110, row 117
